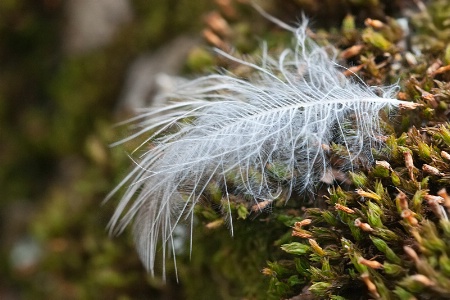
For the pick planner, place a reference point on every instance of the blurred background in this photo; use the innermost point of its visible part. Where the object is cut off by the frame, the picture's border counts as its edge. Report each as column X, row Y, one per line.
column 69, row 71
column 65, row 73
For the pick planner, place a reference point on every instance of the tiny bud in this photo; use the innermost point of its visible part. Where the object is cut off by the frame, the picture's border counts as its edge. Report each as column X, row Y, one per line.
column 261, row 205
column 402, row 96
column 409, row 163
column 426, row 95
column 402, row 200
column 351, row 51
column 411, row 253
column 430, row 98
column 422, row 279
column 443, row 193
column 442, row 70
column 431, row 170
column 215, row 224
column 406, row 213
column 315, row 246
column 371, row 287
column 377, row 24
column 382, row 138
column 268, row 272
column 214, row 39
column 363, row 226
column 434, row 202
column 302, row 223
column 301, row 233
column 352, row 70
column 445, row 155
column 433, row 67
column 325, row 147
column 409, row 216
column 373, row 264
column 344, row 208
column 410, row 59
column 370, row 194
column 435, row 199
column 218, row 24
column 384, row 164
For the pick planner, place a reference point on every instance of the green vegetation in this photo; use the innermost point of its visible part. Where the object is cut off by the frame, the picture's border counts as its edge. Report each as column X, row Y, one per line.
column 382, row 233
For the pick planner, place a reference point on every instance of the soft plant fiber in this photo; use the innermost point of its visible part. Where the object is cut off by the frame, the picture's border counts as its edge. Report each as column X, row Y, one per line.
column 220, row 128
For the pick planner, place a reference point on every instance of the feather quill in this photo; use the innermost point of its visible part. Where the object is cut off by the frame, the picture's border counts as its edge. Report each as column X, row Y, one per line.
column 220, row 125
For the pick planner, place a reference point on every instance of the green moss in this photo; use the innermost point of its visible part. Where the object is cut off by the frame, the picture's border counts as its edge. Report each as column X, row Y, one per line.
column 56, row 119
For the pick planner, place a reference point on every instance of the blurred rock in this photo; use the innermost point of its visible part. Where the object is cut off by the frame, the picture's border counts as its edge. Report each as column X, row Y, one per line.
column 92, row 23
column 150, row 74
column 25, row 255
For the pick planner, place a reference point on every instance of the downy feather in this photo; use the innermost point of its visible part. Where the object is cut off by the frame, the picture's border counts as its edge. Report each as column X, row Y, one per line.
column 220, row 125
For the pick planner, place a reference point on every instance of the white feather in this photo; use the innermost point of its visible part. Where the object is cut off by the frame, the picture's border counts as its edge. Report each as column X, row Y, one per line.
column 221, row 125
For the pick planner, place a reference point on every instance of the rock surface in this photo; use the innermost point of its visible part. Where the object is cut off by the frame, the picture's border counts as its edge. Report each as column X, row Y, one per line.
column 92, row 23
